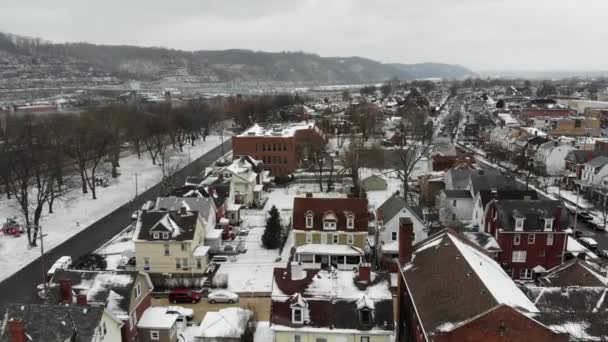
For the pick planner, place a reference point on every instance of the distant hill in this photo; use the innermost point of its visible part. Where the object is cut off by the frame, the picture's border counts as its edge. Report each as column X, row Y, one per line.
column 433, row 70
column 36, row 63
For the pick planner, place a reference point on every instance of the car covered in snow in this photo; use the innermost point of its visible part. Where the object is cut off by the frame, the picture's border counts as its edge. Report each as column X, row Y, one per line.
column 588, row 242
column 222, row 296
column 62, row 263
column 184, row 314
column 602, row 253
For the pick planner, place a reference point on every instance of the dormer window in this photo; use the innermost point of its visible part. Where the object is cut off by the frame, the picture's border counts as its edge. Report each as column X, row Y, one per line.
column 297, row 315
column 366, row 316
column 548, row 224
column 298, row 309
column 309, row 220
column 519, row 224
column 155, row 236
column 165, row 236
column 350, row 222
column 329, row 222
column 366, row 306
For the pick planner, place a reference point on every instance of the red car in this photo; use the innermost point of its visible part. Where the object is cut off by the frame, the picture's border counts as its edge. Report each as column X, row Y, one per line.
column 184, row 296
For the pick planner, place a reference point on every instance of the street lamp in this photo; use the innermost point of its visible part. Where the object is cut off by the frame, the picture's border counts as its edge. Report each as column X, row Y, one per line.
column 136, row 174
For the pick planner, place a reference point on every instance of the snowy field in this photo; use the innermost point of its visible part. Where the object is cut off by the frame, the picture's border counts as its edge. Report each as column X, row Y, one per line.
column 80, row 211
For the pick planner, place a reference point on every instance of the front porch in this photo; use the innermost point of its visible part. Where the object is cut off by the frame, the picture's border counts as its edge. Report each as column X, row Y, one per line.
column 343, row 257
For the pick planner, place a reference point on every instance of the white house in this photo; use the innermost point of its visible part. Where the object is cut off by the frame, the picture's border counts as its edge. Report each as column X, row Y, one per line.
column 550, row 156
column 455, row 206
column 247, row 178
column 595, row 171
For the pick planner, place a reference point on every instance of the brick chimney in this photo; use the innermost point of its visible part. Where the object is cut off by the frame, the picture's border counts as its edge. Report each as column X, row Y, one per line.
column 365, row 272
column 16, row 329
column 406, row 230
column 558, row 218
column 65, row 291
column 81, row 299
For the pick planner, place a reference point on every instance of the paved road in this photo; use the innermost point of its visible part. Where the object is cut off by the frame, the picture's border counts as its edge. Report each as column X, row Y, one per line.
column 20, row 287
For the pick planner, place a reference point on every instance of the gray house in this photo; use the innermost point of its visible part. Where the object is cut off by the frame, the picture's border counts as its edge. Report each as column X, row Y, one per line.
column 156, row 325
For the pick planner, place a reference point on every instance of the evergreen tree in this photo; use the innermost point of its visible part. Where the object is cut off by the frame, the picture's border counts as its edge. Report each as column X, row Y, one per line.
column 272, row 234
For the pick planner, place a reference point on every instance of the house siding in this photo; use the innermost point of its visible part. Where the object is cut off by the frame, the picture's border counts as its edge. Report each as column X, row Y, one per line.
column 281, row 336
column 358, row 238
column 165, row 335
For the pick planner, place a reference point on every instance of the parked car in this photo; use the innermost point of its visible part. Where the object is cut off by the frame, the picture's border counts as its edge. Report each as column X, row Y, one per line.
column 184, row 314
column 184, row 296
column 588, row 242
column 596, row 225
column 603, row 253
column 585, row 216
column 62, row 263
column 578, row 234
column 219, row 259
column 135, row 215
column 222, row 296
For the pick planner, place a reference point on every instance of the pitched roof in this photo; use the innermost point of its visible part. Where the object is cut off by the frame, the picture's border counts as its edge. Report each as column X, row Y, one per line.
column 581, row 156
column 575, row 272
column 597, row 161
column 534, row 213
column 483, row 240
column 340, row 207
column 492, row 180
column 451, row 280
column 112, row 289
column 457, row 194
column 204, row 206
column 53, row 323
column 391, row 207
column 488, row 195
column 331, row 298
column 228, row 322
column 180, row 226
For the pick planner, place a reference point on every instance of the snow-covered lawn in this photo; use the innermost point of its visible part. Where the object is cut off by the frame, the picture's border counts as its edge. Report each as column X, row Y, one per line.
column 75, row 215
column 252, row 271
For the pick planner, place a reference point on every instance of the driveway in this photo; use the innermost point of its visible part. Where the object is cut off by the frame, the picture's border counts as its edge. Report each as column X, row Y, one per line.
column 261, row 305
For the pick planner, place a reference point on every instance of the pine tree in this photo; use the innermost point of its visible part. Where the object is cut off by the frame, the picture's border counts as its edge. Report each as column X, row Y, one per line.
column 272, row 234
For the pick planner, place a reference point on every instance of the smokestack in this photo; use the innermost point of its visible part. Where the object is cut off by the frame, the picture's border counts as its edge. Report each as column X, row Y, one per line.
column 365, row 272
column 81, row 299
column 16, row 330
column 406, row 230
column 65, row 291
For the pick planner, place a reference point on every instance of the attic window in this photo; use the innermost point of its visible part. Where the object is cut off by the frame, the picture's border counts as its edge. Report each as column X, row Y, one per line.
column 519, row 224
column 165, row 236
column 365, row 315
column 329, row 222
column 350, row 222
column 548, row 224
column 309, row 221
column 155, row 236
column 297, row 315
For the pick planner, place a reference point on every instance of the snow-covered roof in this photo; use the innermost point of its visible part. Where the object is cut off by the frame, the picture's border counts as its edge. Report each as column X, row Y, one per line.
column 157, row 318
column 229, row 322
column 201, row 251
column 277, row 130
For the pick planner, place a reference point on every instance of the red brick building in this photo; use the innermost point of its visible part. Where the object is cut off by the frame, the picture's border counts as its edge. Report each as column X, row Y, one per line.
column 279, row 146
column 452, row 290
column 528, row 113
column 530, row 233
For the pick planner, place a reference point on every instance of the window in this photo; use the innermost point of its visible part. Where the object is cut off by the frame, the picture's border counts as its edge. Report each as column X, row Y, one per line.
column 340, row 259
column 526, row 273
column 178, row 263
column 519, row 256
column 165, row 236
column 549, row 239
column 321, row 339
column 296, row 315
column 548, row 224
column 184, row 247
column 453, row 217
column 366, row 317
column 323, row 238
column 308, row 237
column 519, row 224
column 541, row 254
column 577, row 123
column 394, row 236
column 155, row 236
column 104, row 328
column 336, row 239
column 146, row 261
column 309, row 221
column 199, row 263
column 350, row 239
column 454, row 203
column 166, row 249
column 364, row 338
column 350, row 222
column 516, row 239
column 138, row 290
column 306, row 258
column 329, row 224
column 352, row 260
column 297, row 338
column 531, row 239
column 154, row 335
column 185, row 262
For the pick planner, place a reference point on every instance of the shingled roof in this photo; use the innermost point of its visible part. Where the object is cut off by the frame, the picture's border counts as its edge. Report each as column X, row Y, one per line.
column 534, row 213
column 180, row 226
column 487, row 195
column 575, row 272
column 451, row 280
column 340, row 207
column 333, row 299
column 53, row 323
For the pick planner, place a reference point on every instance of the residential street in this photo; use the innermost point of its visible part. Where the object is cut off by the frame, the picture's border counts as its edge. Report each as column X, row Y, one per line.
column 20, row 287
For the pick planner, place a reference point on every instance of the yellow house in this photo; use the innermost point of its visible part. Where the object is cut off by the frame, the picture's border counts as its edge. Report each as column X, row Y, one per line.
column 172, row 241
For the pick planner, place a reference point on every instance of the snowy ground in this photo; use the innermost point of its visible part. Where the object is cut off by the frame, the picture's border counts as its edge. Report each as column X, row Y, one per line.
column 252, row 271
column 76, row 214
column 120, row 247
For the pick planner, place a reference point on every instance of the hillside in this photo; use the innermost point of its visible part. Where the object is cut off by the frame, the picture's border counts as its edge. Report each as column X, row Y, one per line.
column 27, row 63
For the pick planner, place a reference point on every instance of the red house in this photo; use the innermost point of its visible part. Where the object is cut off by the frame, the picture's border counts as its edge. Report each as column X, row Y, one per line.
column 531, row 234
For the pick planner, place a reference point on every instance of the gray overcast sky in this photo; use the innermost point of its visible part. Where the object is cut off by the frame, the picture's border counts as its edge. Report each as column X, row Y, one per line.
column 480, row 34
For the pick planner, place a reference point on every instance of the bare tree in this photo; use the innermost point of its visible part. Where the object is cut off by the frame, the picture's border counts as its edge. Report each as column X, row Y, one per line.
column 366, row 118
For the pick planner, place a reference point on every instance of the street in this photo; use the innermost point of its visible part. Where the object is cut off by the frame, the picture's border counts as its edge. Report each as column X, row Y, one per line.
column 21, row 286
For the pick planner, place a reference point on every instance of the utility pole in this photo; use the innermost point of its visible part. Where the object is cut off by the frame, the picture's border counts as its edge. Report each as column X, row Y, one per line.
column 42, row 261
column 136, row 174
